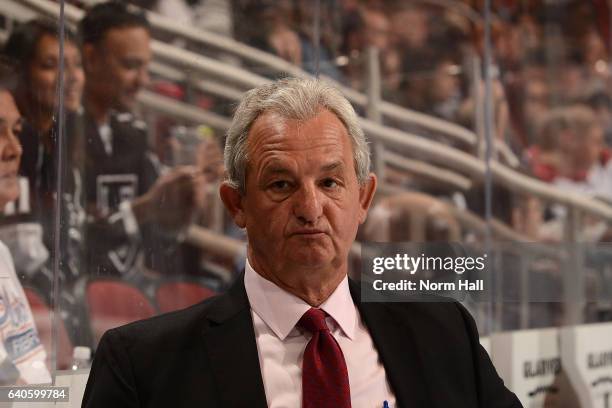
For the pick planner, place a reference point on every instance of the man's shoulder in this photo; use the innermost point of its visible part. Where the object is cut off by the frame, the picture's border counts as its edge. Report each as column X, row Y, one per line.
column 164, row 330
column 433, row 311
column 427, row 313
column 425, row 303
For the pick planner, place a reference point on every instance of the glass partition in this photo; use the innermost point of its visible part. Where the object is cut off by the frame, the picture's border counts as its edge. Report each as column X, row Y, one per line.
column 33, row 92
column 489, row 123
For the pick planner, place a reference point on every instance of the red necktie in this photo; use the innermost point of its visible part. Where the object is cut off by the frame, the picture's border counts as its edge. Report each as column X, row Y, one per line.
column 325, row 382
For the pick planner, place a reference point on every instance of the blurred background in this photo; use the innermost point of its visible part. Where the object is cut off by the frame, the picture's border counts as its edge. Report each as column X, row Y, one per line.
column 490, row 124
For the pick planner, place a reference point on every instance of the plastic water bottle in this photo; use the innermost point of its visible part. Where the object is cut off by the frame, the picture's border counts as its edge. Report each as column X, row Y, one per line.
column 80, row 357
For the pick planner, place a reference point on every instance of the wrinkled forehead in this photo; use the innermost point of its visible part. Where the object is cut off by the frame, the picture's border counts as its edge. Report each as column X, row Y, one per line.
column 271, row 127
column 309, row 143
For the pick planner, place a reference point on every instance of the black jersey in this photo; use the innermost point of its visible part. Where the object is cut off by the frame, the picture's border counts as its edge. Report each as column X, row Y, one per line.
column 113, row 173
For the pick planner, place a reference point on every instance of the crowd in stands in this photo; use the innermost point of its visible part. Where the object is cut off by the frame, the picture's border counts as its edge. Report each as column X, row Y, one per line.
column 548, row 61
column 129, row 192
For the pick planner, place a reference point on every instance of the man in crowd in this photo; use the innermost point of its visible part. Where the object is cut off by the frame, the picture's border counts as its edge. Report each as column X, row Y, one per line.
column 293, row 331
column 130, row 206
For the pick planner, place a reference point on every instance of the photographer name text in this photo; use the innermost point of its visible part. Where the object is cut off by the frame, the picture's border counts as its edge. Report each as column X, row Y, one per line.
column 429, row 286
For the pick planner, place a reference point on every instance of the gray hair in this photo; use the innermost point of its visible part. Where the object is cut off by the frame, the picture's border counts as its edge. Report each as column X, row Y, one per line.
column 291, row 98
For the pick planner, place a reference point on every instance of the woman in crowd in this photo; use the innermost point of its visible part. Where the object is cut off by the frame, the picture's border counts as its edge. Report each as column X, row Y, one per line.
column 22, row 357
column 34, row 48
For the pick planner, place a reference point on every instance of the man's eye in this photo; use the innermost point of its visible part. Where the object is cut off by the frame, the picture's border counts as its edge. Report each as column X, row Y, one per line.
column 330, row 183
column 280, row 185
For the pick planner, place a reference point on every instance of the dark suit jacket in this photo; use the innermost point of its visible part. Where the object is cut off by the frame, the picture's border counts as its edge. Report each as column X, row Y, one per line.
column 206, row 356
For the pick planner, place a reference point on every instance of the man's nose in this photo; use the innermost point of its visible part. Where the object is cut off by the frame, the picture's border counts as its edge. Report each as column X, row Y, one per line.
column 308, row 204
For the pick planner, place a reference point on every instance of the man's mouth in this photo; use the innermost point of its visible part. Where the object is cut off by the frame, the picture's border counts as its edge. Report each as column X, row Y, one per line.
column 308, row 232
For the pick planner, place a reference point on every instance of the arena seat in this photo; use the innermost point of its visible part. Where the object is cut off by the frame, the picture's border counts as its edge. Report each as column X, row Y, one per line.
column 174, row 295
column 112, row 302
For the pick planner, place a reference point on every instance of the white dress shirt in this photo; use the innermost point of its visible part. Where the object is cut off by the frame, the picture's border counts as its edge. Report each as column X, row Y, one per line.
column 281, row 345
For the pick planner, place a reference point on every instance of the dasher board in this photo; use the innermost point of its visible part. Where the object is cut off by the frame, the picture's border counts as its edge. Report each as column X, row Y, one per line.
column 586, row 352
column 485, row 342
column 529, row 363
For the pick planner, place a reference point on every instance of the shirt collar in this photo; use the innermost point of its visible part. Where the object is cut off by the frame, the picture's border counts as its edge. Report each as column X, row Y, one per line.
column 265, row 299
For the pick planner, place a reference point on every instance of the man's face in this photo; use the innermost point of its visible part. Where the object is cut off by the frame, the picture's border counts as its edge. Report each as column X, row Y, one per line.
column 303, row 203
column 117, row 67
column 10, row 149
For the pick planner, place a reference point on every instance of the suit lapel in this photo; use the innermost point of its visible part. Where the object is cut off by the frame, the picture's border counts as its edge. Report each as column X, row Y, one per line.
column 232, row 351
column 395, row 342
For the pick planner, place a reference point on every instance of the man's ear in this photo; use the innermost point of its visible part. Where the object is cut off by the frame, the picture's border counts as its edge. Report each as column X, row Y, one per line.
column 232, row 199
column 366, row 195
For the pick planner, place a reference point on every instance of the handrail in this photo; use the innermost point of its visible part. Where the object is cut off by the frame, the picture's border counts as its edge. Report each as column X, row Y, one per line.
column 225, row 246
column 436, row 152
column 210, row 66
column 423, row 169
column 189, row 113
column 215, row 242
column 206, row 86
column 17, row 10
column 465, row 163
column 442, row 154
column 182, row 110
column 278, row 64
column 250, row 80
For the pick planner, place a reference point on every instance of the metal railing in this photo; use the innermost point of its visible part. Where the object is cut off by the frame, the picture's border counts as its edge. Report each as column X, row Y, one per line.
column 271, row 62
column 426, row 150
column 402, row 149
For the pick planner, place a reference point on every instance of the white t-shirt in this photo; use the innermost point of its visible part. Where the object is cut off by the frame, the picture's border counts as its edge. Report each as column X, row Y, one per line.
column 598, row 182
column 19, row 341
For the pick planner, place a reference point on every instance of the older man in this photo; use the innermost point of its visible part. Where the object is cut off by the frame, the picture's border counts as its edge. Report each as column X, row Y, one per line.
column 292, row 332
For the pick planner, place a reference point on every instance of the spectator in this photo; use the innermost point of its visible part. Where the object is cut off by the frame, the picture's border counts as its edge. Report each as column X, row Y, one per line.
column 378, row 35
column 138, row 212
column 410, row 27
column 601, row 103
column 34, row 48
column 268, row 25
column 319, row 58
column 577, row 159
column 209, row 15
column 586, row 166
column 22, row 357
column 432, row 85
